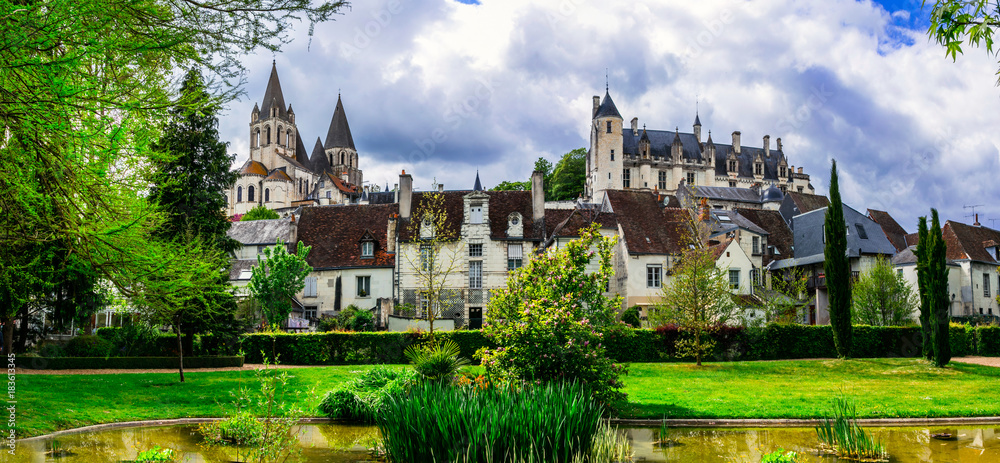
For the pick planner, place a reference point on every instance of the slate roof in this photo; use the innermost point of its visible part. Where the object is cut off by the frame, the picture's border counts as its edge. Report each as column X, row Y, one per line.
column 257, row 232
column 293, row 162
column 743, row 195
column 301, row 156
column 893, row 231
column 317, row 159
column 253, row 168
column 272, row 96
column 607, row 108
column 335, row 234
column 779, row 235
column 339, row 133
column 808, row 233
column 501, row 205
column 648, row 227
column 238, row 266
column 660, row 142
column 382, row 197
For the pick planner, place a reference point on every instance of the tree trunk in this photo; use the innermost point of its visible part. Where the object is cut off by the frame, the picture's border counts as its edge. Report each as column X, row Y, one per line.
column 22, row 339
column 8, row 335
column 180, row 349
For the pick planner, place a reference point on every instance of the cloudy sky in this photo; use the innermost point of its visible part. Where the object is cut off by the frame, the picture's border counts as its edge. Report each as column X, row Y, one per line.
column 443, row 89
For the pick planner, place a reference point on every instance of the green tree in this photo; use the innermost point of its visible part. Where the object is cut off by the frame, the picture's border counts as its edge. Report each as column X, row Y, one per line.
column 569, row 176
column 512, row 186
column 276, row 279
column 882, row 297
column 926, row 314
column 259, row 212
column 954, row 22
column 838, row 269
column 698, row 299
column 785, row 300
column 550, row 322
column 541, row 165
column 937, row 291
column 437, row 255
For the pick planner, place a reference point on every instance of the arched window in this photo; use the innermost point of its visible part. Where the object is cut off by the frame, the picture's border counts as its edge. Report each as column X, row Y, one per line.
column 280, row 132
column 289, row 139
column 300, row 186
column 267, row 131
column 239, row 194
column 341, row 157
column 330, row 158
column 226, row 197
column 267, row 195
column 250, row 193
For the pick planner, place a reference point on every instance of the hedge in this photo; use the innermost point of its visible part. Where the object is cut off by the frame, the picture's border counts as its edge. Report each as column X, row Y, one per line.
column 339, row 348
column 116, row 363
column 988, row 340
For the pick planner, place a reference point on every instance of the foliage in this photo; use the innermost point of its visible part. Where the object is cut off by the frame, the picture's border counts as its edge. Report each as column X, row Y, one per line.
column 363, row 397
column 937, row 291
column 88, row 346
column 507, row 185
column 698, row 299
column 133, row 339
column 926, row 315
column 630, row 317
column 51, row 350
column 121, row 363
column 780, row 456
column 154, row 455
column 846, row 438
column 437, row 256
column 838, row 268
column 987, row 341
column 435, row 422
column 350, row 319
column 569, row 176
column 882, row 297
column 786, row 298
column 276, row 278
column 437, row 361
column 541, row 165
column 259, row 212
column 550, row 322
column 954, row 22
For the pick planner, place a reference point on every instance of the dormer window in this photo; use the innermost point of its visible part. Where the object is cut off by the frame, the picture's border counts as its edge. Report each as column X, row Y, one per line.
column 367, row 249
column 732, row 166
column 758, row 169
column 782, row 172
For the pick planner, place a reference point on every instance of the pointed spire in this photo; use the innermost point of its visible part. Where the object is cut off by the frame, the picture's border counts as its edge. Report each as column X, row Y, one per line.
column 607, row 108
column 677, row 135
column 478, row 186
column 317, row 160
column 697, row 120
column 339, row 134
column 644, row 136
column 386, row 186
column 272, row 96
column 710, row 138
column 300, row 152
column 255, row 108
column 290, row 111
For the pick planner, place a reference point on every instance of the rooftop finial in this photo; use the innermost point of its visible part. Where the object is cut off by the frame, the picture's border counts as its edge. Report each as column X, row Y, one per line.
column 606, row 85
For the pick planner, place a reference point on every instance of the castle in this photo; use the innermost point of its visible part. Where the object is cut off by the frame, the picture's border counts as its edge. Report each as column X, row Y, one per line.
column 281, row 174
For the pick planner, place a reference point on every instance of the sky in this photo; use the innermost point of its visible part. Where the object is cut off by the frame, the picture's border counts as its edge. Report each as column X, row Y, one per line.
column 445, row 89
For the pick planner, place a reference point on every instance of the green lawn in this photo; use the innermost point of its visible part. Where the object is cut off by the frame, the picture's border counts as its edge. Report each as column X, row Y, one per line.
column 784, row 389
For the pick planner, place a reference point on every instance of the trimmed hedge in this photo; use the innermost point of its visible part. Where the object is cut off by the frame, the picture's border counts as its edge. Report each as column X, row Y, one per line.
column 116, row 363
column 340, row 348
column 988, row 340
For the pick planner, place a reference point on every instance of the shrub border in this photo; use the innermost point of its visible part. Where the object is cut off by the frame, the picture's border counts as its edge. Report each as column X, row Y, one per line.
column 124, row 363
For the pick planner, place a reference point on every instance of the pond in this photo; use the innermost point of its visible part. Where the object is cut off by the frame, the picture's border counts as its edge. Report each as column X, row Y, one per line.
column 338, row 443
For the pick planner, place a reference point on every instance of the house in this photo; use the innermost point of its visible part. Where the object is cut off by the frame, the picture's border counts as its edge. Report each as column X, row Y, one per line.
column 254, row 237
column 905, row 263
column 892, row 230
column 795, row 203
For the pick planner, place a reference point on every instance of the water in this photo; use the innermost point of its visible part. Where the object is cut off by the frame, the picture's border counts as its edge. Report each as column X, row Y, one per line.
column 336, row 443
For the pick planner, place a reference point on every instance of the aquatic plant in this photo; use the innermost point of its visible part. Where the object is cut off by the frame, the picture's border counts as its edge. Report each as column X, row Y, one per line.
column 780, row 456
column 155, row 454
column 842, row 435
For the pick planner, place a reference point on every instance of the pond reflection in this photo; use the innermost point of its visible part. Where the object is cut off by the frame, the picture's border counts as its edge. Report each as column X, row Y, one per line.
column 338, row 443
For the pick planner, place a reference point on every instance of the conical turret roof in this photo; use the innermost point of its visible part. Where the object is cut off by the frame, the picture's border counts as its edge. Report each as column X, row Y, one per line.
column 479, row 185
column 272, row 96
column 339, row 134
column 317, row 160
column 607, row 108
column 300, row 152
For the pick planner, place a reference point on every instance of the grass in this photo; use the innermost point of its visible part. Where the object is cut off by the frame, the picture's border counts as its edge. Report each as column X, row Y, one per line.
column 784, row 389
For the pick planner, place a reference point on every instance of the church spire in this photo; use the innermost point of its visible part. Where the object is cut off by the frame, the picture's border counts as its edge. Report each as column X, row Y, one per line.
column 479, row 185
column 339, row 134
column 273, row 97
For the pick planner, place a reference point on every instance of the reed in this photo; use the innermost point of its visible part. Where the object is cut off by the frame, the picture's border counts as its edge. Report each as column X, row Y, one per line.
column 843, row 436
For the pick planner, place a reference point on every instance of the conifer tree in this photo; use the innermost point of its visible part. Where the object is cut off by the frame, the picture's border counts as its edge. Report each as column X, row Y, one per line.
column 925, row 308
column 938, row 292
column 838, row 269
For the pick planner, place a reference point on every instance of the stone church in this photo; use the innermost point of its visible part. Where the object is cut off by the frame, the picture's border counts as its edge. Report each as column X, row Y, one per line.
column 661, row 160
column 281, row 174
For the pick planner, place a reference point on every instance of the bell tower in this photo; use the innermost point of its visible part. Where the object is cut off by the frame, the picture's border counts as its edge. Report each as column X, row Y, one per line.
column 604, row 160
column 272, row 125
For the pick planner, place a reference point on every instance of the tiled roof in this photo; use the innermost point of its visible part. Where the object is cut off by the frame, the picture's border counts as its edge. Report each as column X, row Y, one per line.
column 340, row 184
column 567, row 223
column 278, row 175
column 648, row 227
column 969, row 242
column 238, row 266
column 253, row 168
column 892, row 229
column 717, row 250
column 335, row 234
column 261, row 231
column 779, row 235
column 501, row 205
column 806, row 202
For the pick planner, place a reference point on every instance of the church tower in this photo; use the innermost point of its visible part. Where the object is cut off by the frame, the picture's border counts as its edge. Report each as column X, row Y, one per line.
column 272, row 126
column 604, row 160
column 341, row 155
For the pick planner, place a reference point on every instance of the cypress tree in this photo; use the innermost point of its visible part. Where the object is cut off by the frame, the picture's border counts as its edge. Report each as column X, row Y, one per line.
column 838, row 269
column 938, row 296
column 926, row 318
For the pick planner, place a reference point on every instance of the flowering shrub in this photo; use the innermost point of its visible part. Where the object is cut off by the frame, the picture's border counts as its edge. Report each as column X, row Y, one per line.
column 550, row 323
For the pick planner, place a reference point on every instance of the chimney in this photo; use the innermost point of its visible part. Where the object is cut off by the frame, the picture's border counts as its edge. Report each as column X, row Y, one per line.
column 597, row 104
column 800, row 170
column 976, row 224
column 635, row 126
column 767, row 146
column 736, row 142
column 537, row 196
column 405, row 195
column 705, row 215
column 779, row 143
column 293, row 230
column 390, row 235
column 440, row 188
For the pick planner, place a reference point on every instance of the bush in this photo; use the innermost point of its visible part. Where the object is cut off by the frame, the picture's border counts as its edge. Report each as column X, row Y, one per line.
column 361, row 398
column 988, row 340
column 114, row 363
column 240, row 429
column 51, row 350
column 630, row 317
column 439, row 361
column 960, row 338
column 88, row 346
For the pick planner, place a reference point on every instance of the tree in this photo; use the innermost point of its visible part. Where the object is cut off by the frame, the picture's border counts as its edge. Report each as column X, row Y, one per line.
column 698, row 299
column 937, row 291
column 954, row 22
column 512, row 186
column 276, row 279
column 785, row 300
column 926, row 312
column 569, row 176
column 552, row 319
column 882, row 297
column 838, row 269
column 438, row 255
column 259, row 213
column 541, row 165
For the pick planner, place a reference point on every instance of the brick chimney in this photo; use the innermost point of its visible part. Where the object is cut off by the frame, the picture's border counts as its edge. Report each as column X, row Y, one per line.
column 405, row 195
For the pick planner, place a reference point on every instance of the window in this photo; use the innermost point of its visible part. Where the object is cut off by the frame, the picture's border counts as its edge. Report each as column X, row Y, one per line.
column 861, row 231
column 310, row 288
column 239, row 194
column 800, row 189
column 250, row 193
column 515, row 256
column 690, row 178
column 476, row 274
column 734, row 279
column 732, row 166
column 328, row 194
column 986, row 285
column 732, row 184
column 782, row 174
column 758, row 169
column 627, row 178
column 268, row 131
column 609, row 126
column 653, row 276
column 755, row 277
column 662, row 180
column 300, row 186
column 612, row 155
column 310, row 312
column 260, row 249
column 364, row 286
column 367, row 249
column 426, row 258
column 756, row 245
column 476, row 211
column 476, row 250
column 900, row 273
column 267, row 195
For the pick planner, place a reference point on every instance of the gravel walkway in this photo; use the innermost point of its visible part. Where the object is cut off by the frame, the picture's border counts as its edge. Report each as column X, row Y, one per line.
column 986, row 361
column 106, row 371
